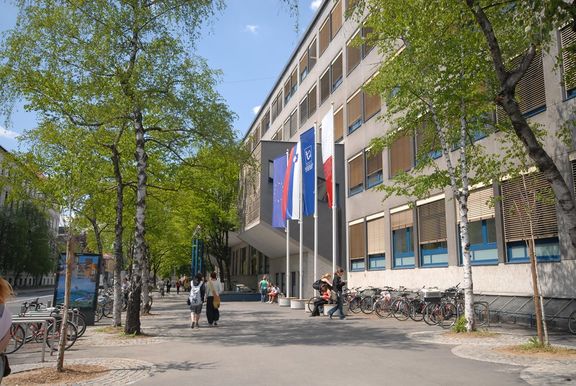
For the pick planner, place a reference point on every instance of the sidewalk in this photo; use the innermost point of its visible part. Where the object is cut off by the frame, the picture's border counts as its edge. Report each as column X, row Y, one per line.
column 263, row 344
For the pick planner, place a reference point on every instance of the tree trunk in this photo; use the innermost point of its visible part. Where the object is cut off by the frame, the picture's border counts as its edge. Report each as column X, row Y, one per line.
column 67, row 283
column 133, row 314
column 118, row 232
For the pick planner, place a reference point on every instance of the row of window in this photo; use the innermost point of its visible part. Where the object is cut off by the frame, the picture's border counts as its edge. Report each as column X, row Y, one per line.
column 330, row 79
column 422, row 229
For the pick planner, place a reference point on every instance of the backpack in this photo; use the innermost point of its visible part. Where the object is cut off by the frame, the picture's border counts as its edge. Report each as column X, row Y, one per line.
column 194, row 297
column 316, row 285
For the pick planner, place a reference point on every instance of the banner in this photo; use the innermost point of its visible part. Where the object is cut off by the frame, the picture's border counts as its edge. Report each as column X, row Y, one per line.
column 292, row 185
column 328, row 152
column 278, row 220
column 308, row 143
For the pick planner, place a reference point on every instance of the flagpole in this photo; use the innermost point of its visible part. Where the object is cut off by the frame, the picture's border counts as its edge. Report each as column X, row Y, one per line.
column 333, row 202
column 301, row 222
column 287, row 245
column 315, row 203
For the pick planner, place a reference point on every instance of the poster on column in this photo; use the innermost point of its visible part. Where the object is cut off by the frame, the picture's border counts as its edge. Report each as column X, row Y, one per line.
column 84, row 284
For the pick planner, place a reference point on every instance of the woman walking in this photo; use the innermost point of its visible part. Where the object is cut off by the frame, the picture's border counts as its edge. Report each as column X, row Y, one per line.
column 213, row 290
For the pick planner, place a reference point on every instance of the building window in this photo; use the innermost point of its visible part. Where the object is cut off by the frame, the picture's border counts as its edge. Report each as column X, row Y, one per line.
column 402, row 225
column 265, row 122
column 325, row 85
column 339, row 124
column 481, row 228
column 356, row 174
column 336, row 72
column 530, row 91
column 567, row 39
column 354, row 112
column 366, row 48
column 336, row 19
column 401, row 155
column 357, row 246
column 324, row 38
column 290, row 86
column 375, row 238
column 373, row 169
column 432, row 234
column 371, row 105
column 353, row 54
column 526, row 198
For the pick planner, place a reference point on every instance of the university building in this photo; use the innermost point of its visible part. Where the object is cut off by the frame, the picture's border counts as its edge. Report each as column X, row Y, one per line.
column 396, row 242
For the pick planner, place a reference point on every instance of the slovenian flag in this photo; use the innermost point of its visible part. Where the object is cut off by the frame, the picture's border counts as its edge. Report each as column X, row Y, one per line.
column 278, row 220
column 328, row 152
column 292, row 185
column 308, row 144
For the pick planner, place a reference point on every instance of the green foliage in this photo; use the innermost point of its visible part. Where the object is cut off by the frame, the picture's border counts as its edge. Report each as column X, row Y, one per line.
column 460, row 325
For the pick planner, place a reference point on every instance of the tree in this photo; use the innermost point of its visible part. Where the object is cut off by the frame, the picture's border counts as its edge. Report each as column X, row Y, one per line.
column 120, row 65
column 433, row 95
column 519, row 29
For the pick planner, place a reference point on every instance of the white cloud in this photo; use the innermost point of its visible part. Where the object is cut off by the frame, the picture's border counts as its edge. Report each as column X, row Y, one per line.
column 315, row 4
column 5, row 133
column 255, row 109
column 252, row 28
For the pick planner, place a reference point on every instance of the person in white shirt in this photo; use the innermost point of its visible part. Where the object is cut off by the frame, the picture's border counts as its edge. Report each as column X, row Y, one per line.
column 213, row 290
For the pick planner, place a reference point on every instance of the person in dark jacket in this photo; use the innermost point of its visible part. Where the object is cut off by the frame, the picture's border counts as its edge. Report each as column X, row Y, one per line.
column 337, row 285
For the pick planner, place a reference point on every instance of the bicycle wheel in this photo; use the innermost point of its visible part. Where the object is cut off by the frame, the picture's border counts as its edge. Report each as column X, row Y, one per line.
column 107, row 309
column 572, row 322
column 367, row 305
column 417, row 309
column 354, row 305
column 80, row 324
column 53, row 337
column 400, row 309
column 382, row 308
column 481, row 314
column 17, row 338
column 448, row 315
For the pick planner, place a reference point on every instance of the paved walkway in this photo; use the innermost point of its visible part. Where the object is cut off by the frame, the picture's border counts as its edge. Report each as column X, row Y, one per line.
column 262, row 344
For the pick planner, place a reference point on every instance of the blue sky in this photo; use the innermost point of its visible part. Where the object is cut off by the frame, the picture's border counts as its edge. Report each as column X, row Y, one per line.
column 250, row 42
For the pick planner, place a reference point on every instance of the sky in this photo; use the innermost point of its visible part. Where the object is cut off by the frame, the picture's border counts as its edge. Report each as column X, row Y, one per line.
column 250, row 41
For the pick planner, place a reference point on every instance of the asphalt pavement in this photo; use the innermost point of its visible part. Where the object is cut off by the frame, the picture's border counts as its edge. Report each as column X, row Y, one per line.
column 264, row 344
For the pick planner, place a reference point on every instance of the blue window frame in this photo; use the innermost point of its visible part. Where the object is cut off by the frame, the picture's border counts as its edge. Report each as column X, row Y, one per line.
column 403, row 248
column 377, row 262
column 546, row 250
column 357, row 265
column 434, row 254
column 482, row 238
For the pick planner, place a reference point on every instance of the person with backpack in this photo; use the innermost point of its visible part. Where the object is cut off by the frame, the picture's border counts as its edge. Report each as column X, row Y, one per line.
column 325, row 287
column 195, row 299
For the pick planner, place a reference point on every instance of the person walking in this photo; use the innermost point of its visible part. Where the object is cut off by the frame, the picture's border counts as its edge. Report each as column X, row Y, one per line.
column 213, row 290
column 337, row 286
column 195, row 299
column 263, row 285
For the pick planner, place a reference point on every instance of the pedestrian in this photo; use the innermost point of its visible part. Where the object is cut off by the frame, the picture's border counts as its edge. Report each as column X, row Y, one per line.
column 213, row 290
column 195, row 299
column 177, row 287
column 337, row 285
column 325, row 291
column 5, row 324
column 263, row 285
